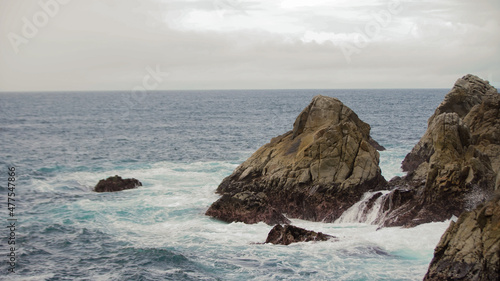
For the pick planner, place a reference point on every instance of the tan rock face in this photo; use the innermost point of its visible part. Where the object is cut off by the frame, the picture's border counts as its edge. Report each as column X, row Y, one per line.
column 484, row 124
column 328, row 144
column 315, row 171
column 457, row 156
column 470, row 248
column 468, row 92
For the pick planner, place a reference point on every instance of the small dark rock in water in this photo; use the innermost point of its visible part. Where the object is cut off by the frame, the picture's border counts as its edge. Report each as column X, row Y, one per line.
column 116, row 183
column 287, row 234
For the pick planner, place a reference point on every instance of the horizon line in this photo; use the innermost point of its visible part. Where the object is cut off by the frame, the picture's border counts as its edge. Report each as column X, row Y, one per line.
column 212, row 90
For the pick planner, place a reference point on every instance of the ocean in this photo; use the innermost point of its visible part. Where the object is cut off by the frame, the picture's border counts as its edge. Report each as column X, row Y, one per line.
column 180, row 145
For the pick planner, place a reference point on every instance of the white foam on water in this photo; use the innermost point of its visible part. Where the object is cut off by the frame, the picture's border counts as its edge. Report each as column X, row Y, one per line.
column 156, row 176
column 168, row 213
column 362, row 212
column 390, row 161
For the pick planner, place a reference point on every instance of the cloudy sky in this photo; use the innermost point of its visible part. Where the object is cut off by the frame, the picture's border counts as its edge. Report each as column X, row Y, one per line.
column 52, row 45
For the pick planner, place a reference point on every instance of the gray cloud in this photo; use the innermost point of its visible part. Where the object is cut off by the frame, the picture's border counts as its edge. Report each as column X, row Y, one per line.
column 96, row 45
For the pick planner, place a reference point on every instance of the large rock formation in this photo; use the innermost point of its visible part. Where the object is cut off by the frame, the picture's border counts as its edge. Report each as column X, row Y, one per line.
column 470, row 248
column 484, row 124
column 455, row 164
column 288, row 234
column 116, row 183
column 315, row 171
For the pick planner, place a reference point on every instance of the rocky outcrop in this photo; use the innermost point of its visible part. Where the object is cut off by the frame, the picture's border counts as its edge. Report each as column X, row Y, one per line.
column 470, row 248
column 455, row 164
column 116, row 183
column 468, row 92
column 315, row 171
column 287, row 234
column 484, row 124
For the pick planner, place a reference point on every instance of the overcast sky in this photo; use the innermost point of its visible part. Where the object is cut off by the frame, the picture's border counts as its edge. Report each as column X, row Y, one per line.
column 246, row 44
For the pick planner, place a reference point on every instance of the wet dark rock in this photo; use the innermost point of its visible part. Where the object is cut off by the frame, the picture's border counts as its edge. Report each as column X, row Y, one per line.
column 372, row 200
column 287, row 234
column 247, row 207
column 116, row 183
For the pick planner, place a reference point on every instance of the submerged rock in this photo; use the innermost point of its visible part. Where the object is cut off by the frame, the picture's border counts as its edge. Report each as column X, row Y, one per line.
column 316, row 171
column 470, row 248
column 287, row 234
column 116, row 183
column 455, row 164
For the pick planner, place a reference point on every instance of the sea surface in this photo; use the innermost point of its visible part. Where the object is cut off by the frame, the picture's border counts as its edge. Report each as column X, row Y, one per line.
column 181, row 145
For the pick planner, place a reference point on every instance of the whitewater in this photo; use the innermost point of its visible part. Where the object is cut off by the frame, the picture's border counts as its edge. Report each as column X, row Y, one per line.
column 181, row 145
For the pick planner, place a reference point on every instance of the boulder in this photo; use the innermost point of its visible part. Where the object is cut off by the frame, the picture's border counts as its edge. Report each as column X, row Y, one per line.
column 314, row 172
column 456, row 159
column 470, row 248
column 116, row 183
column 287, row 234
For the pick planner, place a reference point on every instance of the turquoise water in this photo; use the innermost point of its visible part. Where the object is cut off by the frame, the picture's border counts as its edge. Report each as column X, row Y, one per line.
column 180, row 145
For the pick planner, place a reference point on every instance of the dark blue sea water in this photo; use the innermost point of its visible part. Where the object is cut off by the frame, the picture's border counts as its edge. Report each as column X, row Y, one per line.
column 180, row 145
